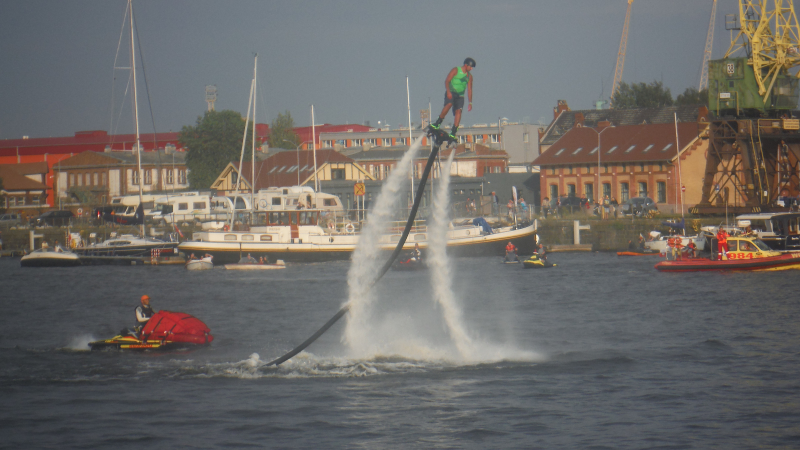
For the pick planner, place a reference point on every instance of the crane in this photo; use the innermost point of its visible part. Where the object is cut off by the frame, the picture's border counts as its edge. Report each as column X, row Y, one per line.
column 770, row 39
column 623, row 46
column 707, row 51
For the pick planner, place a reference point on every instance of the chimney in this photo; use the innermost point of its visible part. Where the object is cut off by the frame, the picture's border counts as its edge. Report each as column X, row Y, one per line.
column 579, row 119
column 562, row 106
column 603, row 124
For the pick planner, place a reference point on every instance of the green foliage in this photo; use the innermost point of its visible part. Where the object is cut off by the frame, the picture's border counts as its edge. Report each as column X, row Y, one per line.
column 692, row 96
column 212, row 143
column 281, row 131
column 641, row 95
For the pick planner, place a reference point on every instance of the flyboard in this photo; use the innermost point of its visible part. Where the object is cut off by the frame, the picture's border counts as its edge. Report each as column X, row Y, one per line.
column 439, row 138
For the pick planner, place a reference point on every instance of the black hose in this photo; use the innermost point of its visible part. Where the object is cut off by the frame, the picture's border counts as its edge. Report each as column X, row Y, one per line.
column 412, row 215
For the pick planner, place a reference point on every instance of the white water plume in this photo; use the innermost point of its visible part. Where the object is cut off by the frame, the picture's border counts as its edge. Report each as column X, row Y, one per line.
column 365, row 265
column 440, row 267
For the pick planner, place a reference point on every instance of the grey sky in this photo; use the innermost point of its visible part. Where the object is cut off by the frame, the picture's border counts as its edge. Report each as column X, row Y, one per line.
column 349, row 59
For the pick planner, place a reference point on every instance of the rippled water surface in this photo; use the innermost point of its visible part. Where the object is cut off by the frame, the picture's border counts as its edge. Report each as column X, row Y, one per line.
column 599, row 352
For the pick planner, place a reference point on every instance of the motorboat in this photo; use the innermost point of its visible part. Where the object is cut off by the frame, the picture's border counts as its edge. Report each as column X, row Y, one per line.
column 50, row 257
column 165, row 330
column 780, row 231
column 204, row 263
column 129, row 245
column 660, row 243
column 250, row 263
column 744, row 253
column 534, row 262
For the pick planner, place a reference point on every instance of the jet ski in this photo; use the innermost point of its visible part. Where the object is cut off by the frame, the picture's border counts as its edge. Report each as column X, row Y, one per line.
column 408, row 264
column 166, row 330
column 534, row 262
column 511, row 258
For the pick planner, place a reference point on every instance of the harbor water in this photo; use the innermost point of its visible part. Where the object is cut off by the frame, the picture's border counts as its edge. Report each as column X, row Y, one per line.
column 598, row 352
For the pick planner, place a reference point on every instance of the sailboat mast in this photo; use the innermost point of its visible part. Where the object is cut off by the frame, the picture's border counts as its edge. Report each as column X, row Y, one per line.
column 136, row 114
column 253, row 163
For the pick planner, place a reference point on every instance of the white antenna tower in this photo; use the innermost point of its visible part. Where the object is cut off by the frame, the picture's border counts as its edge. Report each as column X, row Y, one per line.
column 211, row 96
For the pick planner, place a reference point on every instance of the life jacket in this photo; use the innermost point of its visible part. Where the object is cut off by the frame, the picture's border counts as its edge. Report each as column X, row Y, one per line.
column 146, row 312
column 510, row 247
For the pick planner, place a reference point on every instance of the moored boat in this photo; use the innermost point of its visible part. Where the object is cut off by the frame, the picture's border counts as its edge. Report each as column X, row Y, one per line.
column 50, row 257
column 296, row 236
column 128, row 245
column 203, row 263
column 744, row 253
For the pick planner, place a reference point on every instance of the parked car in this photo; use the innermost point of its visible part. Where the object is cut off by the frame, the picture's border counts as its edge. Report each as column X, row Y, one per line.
column 10, row 220
column 571, row 203
column 54, row 218
column 638, row 206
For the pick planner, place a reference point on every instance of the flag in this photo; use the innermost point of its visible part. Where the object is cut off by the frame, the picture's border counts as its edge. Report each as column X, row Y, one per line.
column 177, row 229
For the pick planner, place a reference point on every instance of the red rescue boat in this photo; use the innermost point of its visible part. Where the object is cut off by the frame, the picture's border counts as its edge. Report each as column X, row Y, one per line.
column 744, row 253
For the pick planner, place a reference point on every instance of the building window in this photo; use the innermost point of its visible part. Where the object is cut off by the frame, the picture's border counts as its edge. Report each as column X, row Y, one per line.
column 607, row 190
column 337, row 174
column 71, row 180
column 552, row 171
column 571, row 190
column 134, row 177
column 96, row 179
column 387, row 142
column 570, row 170
column 148, row 176
column 624, row 193
column 80, row 179
column 170, row 176
column 182, row 176
column 553, row 191
column 103, row 179
column 588, row 189
column 642, row 189
column 624, row 167
column 641, row 168
column 493, row 138
column 661, row 191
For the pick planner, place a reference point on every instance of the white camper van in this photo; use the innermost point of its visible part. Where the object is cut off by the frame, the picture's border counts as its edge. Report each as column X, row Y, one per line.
column 186, row 207
column 283, row 198
column 125, row 205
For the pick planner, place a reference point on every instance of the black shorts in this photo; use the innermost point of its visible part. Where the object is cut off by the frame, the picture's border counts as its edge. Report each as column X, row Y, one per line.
column 457, row 101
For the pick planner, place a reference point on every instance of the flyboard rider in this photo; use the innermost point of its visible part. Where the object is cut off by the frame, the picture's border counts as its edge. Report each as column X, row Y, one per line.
column 457, row 82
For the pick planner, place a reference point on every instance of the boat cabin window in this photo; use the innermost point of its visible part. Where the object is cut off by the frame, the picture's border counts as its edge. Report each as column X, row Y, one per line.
column 780, row 227
column 230, row 237
column 279, row 218
column 248, row 237
column 307, row 218
column 276, row 201
column 183, row 206
column 329, row 202
column 761, row 245
column 199, row 205
column 759, row 226
column 240, row 203
column 745, row 246
column 266, row 238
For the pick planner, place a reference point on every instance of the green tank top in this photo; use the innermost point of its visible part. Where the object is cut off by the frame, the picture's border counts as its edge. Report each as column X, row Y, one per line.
column 458, row 83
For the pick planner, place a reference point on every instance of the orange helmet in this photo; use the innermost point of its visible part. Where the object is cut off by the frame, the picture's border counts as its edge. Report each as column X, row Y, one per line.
column 145, row 299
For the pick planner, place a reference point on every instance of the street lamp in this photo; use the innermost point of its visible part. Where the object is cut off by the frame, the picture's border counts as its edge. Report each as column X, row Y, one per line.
column 598, row 156
column 298, row 156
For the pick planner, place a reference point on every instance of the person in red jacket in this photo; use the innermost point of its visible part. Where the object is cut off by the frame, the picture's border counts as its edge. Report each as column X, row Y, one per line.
column 511, row 252
column 722, row 243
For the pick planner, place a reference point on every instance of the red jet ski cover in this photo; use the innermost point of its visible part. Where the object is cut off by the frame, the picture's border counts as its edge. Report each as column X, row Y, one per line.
column 176, row 327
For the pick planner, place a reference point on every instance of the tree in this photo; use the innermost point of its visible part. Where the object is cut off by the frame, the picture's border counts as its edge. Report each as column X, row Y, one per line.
column 692, row 96
column 212, row 143
column 641, row 95
column 282, row 130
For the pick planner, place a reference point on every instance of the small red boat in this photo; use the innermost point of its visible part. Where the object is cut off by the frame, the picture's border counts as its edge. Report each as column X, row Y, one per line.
column 744, row 253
